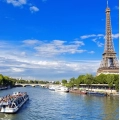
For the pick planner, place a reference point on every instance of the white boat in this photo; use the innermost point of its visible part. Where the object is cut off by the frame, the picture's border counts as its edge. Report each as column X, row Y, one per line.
column 52, row 87
column 12, row 103
column 62, row 89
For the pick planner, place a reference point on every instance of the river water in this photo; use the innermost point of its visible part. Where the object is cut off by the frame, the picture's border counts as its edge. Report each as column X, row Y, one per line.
column 44, row 104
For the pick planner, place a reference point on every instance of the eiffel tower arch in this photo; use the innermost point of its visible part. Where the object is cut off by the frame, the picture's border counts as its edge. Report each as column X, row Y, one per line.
column 109, row 63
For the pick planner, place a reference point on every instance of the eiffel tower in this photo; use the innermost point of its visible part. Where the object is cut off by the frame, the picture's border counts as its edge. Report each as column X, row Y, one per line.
column 109, row 63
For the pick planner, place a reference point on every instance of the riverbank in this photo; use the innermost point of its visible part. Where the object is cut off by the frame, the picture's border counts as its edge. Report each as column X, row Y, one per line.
column 107, row 92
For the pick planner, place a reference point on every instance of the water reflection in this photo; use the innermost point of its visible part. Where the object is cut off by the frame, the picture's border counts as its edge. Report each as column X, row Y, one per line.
column 110, row 108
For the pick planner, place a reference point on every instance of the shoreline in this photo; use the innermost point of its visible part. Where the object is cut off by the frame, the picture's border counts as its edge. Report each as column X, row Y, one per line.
column 107, row 92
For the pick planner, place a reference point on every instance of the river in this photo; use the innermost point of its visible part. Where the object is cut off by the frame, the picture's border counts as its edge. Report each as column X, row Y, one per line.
column 44, row 104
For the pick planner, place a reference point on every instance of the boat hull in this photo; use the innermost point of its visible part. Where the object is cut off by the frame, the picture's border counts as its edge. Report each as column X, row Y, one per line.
column 78, row 92
column 62, row 90
column 96, row 93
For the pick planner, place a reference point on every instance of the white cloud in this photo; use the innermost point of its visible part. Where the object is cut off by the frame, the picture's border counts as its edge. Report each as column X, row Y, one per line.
column 91, row 52
column 23, row 53
column 57, row 47
column 99, row 36
column 77, row 42
column 31, row 42
column 3, row 44
column 87, row 36
column 91, row 35
column 17, row 69
column 17, row 2
column 34, row 9
column 99, row 44
column 94, row 40
column 39, row 68
column 21, row 63
column 115, row 36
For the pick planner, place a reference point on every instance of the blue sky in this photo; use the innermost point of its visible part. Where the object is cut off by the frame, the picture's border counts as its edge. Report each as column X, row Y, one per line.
column 54, row 39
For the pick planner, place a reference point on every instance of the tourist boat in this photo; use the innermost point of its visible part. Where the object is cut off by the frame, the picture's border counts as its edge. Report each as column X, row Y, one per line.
column 12, row 103
column 62, row 89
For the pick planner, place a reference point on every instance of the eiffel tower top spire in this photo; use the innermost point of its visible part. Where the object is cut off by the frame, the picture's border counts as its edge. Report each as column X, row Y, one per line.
column 109, row 47
column 107, row 9
column 107, row 3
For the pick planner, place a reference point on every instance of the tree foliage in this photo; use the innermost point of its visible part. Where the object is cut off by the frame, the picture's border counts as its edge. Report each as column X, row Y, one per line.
column 64, row 81
column 6, row 81
column 89, row 79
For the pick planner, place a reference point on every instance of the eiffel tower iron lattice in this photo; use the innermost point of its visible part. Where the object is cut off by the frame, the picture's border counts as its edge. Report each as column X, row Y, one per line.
column 109, row 63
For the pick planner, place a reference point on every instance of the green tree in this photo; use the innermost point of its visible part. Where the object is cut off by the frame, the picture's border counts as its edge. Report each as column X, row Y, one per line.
column 6, row 81
column 31, row 82
column 116, row 82
column 88, row 79
column 116, row 77
column 110, row 80
column 72, row 82
column 1, row 80
column 117, row 85
column 101, row 79
column 36, row 82
column 57, row 82
column 64, row 81
column 79, row 80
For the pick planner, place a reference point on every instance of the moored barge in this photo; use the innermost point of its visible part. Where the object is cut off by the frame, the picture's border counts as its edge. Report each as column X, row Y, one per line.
column 96, row 93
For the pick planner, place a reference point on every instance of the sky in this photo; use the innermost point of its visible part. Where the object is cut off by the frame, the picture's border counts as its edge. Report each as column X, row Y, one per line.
column 54, row 39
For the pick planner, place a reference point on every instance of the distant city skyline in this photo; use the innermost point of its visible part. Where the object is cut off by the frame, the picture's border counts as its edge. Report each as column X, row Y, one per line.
column 54, row 40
